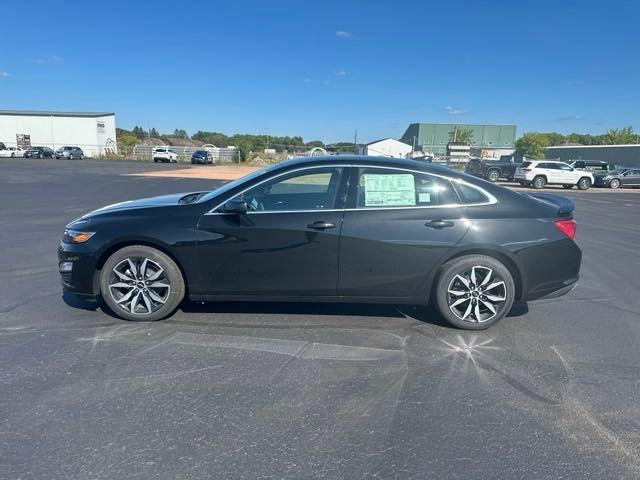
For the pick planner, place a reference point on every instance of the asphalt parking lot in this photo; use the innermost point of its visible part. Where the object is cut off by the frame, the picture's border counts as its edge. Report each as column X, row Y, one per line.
column 307, row 391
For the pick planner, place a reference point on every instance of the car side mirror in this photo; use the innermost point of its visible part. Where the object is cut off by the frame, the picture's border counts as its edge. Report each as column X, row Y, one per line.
column 239, row 207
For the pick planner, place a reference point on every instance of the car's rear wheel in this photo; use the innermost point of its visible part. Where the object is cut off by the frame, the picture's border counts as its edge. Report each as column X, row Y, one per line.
column 40, row 156
column 141, row 283
column 493, row 176
column 615, row 183
column 539, row 182
column 81, row 156
column 474, row 291
column 584, row 183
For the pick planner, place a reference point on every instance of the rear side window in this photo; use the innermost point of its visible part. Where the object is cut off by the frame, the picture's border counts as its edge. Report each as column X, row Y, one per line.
column 525, row 164
column 383, row 188
column 470, row 195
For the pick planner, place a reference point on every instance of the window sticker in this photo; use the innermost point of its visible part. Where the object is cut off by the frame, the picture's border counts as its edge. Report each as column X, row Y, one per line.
column 424, row 197
column 389, row 190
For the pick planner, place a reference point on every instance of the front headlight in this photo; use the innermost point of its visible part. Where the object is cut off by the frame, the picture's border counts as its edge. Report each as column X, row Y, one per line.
column 75, row 236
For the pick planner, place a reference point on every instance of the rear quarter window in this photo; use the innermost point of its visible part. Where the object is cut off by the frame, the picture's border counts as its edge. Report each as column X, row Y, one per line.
column 525, row 164
column 470, row 195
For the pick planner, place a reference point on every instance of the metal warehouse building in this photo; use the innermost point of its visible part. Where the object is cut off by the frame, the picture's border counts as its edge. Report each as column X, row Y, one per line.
column 434, row 137
column 94, row 132
column 623, row 155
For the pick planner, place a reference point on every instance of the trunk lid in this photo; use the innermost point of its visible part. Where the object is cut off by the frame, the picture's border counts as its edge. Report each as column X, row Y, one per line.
column 563, row 206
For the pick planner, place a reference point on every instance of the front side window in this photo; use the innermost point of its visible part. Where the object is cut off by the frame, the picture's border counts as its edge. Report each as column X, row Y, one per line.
column 315, row 189
column 383, row 188
column 564, row 166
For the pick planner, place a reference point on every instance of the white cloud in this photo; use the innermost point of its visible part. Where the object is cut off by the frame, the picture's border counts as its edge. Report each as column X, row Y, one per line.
column 455, row 111
column 307, row 80
column 52, row 60
column 343, row 34
column 4, row 74
column 340, row 73
column 568, row 118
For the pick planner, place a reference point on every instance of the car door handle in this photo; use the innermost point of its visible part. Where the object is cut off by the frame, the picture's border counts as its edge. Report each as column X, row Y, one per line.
column 320, row 225
column 438, row 224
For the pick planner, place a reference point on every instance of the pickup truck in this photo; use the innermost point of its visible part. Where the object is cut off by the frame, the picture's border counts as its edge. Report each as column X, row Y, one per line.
column 493, row 170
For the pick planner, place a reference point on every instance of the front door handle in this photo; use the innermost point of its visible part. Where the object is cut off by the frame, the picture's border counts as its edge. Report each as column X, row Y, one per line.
column 438, row 224
column 320, row 225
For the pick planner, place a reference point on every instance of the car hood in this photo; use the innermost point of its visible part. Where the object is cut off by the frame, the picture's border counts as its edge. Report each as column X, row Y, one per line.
column 150, row 202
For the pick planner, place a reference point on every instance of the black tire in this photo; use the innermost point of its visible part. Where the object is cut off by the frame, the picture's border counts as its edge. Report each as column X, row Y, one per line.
column 584, row 183
column 568, row 187
column 615, row 183
column 40, row 156
column 539, row 182
column 510, row 178
column 171, row 275
column 82, row 156
column 482, row 265
column 493, row 176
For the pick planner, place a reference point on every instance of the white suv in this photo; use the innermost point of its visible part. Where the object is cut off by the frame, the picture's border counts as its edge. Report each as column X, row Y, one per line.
column 538, row 173
column 164, row 155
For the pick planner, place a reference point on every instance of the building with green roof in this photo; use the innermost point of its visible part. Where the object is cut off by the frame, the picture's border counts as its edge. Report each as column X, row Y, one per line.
column 434, row 137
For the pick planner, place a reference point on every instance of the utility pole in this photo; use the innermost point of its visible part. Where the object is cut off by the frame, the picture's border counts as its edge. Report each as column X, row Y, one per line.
column 355, row 141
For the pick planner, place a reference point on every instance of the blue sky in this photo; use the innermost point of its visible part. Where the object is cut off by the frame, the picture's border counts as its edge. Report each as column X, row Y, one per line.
column 322, row 69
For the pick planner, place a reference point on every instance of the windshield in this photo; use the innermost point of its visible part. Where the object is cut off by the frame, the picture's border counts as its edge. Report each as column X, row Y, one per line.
column 618, row 171
column 231, row 185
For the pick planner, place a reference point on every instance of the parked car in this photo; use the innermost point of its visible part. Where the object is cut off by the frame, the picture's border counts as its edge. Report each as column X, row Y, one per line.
column 493, row 170
column 164, row 155
column 70, row 153
column 620, row 177
column 39, row 152
column 595, row 166
column 539, row 173
column 335, row 228
column 10, row 151
column 202, row 156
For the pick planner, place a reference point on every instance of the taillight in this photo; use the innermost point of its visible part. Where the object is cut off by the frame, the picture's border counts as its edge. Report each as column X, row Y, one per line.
column 525, row 169
column 568, row 227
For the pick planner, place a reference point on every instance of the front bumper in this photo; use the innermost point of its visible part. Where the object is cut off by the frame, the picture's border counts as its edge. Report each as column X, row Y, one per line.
column 79, row 278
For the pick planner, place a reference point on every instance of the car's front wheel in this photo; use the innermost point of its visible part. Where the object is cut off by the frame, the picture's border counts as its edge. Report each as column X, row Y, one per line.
column 584, row 183
column 474, row 291
column 615, row 183
column 141, row 283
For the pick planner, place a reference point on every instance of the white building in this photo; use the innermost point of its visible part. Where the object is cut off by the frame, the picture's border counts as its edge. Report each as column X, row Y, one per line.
column 94, row 132
column 387, row 147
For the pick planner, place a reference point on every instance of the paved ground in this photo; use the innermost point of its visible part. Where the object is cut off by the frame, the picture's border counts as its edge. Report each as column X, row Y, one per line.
column 307, row 391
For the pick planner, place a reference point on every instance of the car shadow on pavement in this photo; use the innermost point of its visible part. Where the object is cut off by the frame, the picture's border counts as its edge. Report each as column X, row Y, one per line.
column 425, row 314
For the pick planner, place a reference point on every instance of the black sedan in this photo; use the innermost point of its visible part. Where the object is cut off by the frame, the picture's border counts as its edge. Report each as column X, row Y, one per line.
column 329, row 229
column 620, row 177
column 201, row 156
column 39, row 152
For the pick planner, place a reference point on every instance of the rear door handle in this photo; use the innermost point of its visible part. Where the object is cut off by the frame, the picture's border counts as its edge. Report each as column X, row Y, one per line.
column 320, row 225
column 438, row 224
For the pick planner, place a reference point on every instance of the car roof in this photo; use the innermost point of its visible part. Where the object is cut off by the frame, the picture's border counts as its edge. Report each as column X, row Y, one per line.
column 366, row 160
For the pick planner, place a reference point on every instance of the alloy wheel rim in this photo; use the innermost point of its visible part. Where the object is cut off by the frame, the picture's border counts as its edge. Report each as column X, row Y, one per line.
column 139, row 285
column 615, row 183
column 476, row 294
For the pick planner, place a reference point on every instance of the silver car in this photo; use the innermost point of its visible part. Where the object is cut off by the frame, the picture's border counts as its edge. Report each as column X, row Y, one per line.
column 70, row 153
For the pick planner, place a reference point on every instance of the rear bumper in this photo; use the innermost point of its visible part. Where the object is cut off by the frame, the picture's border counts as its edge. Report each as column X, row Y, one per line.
column 560, row 292
column 550, row 270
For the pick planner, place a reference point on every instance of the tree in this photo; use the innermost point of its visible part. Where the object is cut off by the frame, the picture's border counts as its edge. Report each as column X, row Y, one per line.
column 126, row 142
column 179, row 133
column 461, row 135
column 139, row 132
column 532, row 145
column 214, row 138
column 154, row 133
column 623, row 136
